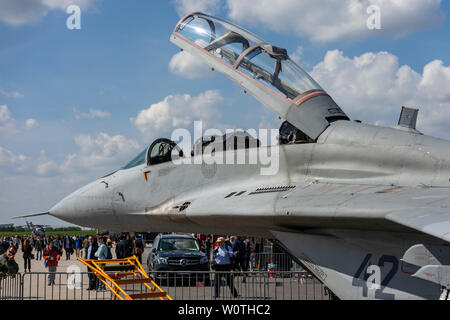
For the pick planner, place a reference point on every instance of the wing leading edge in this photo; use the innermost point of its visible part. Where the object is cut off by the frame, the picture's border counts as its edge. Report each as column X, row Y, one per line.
column 340, row 206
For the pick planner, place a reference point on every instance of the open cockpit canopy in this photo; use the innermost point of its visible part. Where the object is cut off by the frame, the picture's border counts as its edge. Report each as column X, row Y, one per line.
column 249, row 54
column 264, row 70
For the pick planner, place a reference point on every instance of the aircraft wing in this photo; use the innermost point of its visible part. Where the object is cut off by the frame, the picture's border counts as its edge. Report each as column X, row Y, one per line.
column 423, row 209
column 340, row 206
column 432, row 221
column 353, row 237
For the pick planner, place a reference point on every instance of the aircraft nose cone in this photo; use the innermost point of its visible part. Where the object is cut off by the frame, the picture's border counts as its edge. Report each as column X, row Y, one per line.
column 66, row 209
column 89, row 206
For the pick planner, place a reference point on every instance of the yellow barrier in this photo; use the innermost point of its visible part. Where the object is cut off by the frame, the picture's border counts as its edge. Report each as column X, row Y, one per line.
column 111, row 271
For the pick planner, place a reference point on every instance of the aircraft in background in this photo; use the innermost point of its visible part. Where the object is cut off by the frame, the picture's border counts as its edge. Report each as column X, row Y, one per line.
column 365, row 208
column 36, row 230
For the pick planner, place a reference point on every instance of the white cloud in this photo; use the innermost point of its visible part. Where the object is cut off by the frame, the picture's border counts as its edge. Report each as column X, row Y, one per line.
column 101, row 153
column 373, row 87
column 92, row 114
column 7, row 122
column 296, row 56
column 12, row 94
column 32, row 184
column 11, row 161
column 8, row 125
column 20, row 12
column 179, row 111
column 184, row 7
column 97, row 155
column 331, row 20
column 31, row 124
column 436, row 78
column 46, row 167
column 187, row 65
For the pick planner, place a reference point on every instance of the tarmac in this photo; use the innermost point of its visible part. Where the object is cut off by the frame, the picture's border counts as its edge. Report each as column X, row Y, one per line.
column 71, row 283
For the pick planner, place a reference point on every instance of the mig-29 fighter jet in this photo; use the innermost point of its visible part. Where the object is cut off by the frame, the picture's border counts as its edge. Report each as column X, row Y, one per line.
column 365, row 208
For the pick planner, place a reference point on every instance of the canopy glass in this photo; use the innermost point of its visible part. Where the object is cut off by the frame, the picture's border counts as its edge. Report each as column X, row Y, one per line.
column 252, row 56
column 139, row 159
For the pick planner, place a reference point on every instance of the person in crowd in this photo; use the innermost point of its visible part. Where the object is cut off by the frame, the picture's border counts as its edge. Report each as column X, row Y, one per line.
column 249, row 249
column 239, row 254
column 222, row 255
column 102, row 251
column 124, row 248
column 109, row 242
column 77, row 244
column 101, row 254
column 208, row 246
column 120, row 247
column 16, row 242
column 39, row 246
column 129, row 246
column 57, row 244
column 2, row 245
column 8, row 266
column 68, row 246
column 90, row 254
column 51, row 258
column 27, row 250
column 138, row 248
column 85, row 244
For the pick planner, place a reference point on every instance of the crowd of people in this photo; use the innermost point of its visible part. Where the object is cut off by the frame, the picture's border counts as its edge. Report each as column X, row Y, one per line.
column 50, row 250
column 225, row 254
column 244, row 250
column 228, row 254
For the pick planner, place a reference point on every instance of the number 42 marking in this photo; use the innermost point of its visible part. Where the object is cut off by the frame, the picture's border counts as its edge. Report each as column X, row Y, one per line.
column 368, row 276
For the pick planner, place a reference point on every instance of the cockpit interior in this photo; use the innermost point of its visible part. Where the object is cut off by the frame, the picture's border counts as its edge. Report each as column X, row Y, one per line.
column 164, row 150
column 288, row 134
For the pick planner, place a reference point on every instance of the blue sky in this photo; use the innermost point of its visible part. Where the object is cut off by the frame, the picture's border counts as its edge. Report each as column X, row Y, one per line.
column 70, row 99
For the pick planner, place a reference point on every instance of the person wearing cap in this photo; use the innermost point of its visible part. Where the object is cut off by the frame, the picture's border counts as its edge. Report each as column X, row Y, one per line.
column 222, row 255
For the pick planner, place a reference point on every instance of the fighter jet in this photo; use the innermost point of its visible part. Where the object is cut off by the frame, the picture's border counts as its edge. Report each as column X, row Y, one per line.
column 365, row 208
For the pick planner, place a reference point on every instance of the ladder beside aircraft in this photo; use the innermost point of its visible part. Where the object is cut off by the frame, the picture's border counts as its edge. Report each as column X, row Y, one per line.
column 112, row 273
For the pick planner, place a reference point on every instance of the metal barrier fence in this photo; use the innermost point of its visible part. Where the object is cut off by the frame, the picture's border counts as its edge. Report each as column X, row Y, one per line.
column 10, row 287
column 281, row 285
column 249, row 286
column 283, row 262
